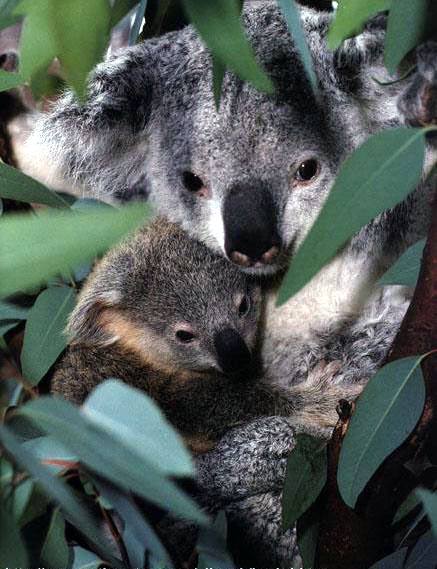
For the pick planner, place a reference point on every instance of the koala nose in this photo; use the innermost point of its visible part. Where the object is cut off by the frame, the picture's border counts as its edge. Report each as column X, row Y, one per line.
column 233, row 354
column 249, row 215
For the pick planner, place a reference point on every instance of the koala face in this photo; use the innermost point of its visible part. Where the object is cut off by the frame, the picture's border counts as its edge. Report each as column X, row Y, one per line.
column 173, row 302
column 249, row 179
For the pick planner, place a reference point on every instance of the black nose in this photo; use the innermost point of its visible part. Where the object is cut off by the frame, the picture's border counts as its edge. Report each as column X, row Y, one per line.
column 233, row 354
column 250, row 221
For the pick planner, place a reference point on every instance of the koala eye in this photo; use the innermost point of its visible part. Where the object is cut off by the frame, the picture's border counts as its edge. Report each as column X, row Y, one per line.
column 244, row 306
column 184, row 337
column 192, row 182
column 307, row 170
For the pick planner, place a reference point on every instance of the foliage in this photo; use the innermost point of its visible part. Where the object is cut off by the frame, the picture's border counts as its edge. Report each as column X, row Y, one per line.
column 61, row 465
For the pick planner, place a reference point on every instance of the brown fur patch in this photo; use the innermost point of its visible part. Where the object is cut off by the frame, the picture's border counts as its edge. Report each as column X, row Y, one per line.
column 199, row 444
column 147, row 346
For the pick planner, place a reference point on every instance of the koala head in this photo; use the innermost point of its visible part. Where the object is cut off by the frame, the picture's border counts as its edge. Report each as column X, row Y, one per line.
column 171, row 301
column 249, row 179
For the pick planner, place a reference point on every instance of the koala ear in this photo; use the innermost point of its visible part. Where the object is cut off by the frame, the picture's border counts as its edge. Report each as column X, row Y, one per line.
column 85, row 323
column 92, row 145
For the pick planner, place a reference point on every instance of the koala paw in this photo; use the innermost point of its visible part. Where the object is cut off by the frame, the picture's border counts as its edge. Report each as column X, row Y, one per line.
column 418, row 103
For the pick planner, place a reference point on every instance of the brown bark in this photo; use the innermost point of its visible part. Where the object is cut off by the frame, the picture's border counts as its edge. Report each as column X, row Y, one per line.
column 354, row 539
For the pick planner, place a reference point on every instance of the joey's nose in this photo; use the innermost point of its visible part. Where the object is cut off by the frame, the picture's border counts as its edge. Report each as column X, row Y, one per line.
column 232, row 351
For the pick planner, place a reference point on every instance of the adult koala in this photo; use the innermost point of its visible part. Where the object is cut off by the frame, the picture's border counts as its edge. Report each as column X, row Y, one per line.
column 249, row 181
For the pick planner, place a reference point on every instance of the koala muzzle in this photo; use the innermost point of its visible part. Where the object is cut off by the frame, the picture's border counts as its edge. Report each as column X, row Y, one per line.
column 250, row 220
column 232, row 351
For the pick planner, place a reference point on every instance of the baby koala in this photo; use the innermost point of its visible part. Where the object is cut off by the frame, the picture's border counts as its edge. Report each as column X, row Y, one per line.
column 166, row 315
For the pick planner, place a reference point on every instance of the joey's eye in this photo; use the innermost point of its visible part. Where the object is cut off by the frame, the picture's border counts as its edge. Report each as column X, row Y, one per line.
column 192, row 182
column 307, row 170
column 185, row 337
column 244, row 306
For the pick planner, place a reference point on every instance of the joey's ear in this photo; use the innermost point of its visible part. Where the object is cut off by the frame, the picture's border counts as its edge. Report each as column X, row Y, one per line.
column 86, row 321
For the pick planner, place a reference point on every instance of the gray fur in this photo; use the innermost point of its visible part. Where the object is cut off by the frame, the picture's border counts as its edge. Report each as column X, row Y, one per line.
column 151, row 116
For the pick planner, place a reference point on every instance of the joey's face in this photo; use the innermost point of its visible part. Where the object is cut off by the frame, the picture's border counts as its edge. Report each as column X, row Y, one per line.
column 200, row 318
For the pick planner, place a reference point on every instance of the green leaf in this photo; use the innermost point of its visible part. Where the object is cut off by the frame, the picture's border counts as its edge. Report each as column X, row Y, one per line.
column 406, row 28
column 54, row 488
column 307, row 533
column 84, row 559
column 429, row 500
column 424, row 553
column 136, row 26
column 17, row 186
column 9, row 80
column 21, row 497
column 218, row 75
column 138, row 534
column 211, row 545
column 102, row 453
column 393, row 561
column 386, row 413
column 7, row 18
column 138, row 423
column 219, row 25
column 350, row 17
column 35, row 248
column 51, row 453
column 406, row 269
column 376, row 177
column 408, row 505
column 75, row 31
column 54, row 551
column 292, row 17
column 10, row 311
column 82, row 32
column 44, row 337
column 119, row 10
column 7, row 325
column 305, row 478
column 12, row 550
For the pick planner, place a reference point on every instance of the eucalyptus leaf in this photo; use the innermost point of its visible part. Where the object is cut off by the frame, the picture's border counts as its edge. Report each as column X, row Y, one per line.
column 429, row 500
column 51, row 453
column 75, row 31
column 7, row 325
column 136, row 26
column 219, row 25
column 424, row 553
column 406, row 269
column 119, row 10
column 44, row 337
column 393, row 561
column 12, row 550
column 305, row 477
column 376, row 177
column 385, row 414
column 218, row 75
column 407, row 25
column 350, row 18
column 408, row 505
column 84, row 559
column 35, row 248
column 10, row 311
column 18, row 186
column 57, row 490
column 292, row 17
column 9, row 80
column 134, row 419
column 211, row 545
column 54, row 551
column 21, row 497
column 102, row 453
column 138, row 534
